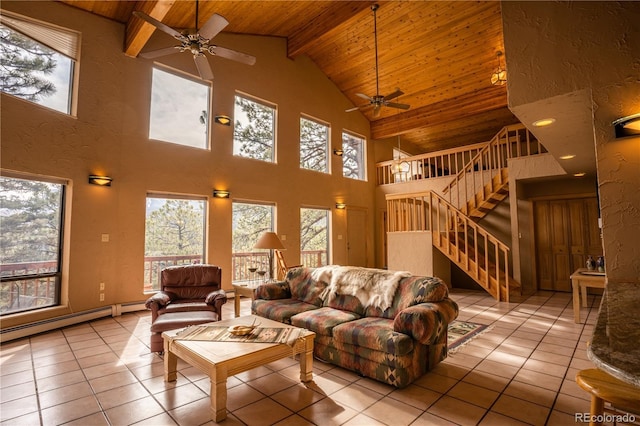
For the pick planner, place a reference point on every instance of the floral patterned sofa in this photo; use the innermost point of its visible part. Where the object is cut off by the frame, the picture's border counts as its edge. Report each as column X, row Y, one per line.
column 394, row 345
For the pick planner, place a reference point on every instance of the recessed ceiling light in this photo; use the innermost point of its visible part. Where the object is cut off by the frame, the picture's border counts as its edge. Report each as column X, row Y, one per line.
column 579, row 174
column 544, row 122
column 568, row 157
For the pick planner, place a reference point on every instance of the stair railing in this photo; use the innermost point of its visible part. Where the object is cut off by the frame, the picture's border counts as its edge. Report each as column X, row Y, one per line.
column 510, row 142
column 474, row 249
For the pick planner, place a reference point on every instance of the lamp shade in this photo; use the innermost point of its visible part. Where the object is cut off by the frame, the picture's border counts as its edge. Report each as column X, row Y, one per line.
column 269, row 240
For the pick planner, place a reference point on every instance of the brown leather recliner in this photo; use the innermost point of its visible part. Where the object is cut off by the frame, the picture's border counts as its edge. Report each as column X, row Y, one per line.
column 189, row 294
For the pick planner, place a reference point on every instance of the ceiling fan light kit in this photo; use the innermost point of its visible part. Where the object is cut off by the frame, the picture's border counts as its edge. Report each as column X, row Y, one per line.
column 499, row 76
column 197, row 43
column 377, row 101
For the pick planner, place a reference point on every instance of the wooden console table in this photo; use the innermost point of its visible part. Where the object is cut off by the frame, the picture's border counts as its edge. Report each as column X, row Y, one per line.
column 580, row 280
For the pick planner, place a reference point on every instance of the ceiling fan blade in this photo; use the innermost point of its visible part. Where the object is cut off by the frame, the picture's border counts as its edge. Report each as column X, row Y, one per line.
column 223, row 52
column 160, row 52
column 213, row 26
column 204, row 69
column 363, row 96
column 396, row 105
column 393, row 95
column 159, row 25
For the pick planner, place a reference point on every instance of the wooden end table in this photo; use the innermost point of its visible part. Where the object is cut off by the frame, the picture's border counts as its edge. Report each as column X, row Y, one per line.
column 580, row 280
column 220, row 360
column 245, row 290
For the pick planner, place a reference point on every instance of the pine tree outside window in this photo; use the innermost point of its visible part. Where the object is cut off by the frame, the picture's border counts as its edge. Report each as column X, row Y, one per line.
column 37, row 61
column 314, row 145
column 254, row 132
column 353, row 157
column 31, row 219
column 174, row 235
column 314, row 237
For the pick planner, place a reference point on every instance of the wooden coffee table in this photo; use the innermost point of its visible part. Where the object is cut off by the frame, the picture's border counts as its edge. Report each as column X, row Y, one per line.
column 220, row 360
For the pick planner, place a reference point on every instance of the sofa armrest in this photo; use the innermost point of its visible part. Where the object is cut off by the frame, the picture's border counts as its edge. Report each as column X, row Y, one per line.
column 272, row 291
column 217, row 297
column 426, row 322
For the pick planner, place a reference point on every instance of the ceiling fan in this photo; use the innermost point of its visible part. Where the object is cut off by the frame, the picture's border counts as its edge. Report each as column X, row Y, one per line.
column 378, row 101
column 197, row 43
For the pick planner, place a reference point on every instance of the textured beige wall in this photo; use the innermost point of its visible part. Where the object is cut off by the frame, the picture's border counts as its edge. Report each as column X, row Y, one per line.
column 556, row 48
column 109, row 136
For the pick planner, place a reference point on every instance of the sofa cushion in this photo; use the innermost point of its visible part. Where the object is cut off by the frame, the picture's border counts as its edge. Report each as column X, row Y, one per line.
column 174, row 320
column 345, row 302
column 186, row 306
column 374, row 333
column 281, row 309
column 305, row 288
column 323, row 320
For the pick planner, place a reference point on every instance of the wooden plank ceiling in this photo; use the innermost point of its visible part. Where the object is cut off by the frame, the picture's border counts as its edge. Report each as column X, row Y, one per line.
column 441, row 54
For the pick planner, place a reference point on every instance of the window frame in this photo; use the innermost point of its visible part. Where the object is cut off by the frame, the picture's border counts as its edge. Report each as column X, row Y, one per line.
column 271, row 229
column 192, row 79
column 327, row 156
column 362, row 166
column 328, row 216
column 274, row 129
column 57, row 275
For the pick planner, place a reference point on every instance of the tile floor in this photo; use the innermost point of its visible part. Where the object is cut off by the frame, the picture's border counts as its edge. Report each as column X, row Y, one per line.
column 521, row 371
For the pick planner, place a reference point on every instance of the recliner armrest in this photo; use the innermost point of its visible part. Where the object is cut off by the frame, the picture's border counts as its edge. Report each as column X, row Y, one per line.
column 159, row 300
column 426, row 322
column 216, row 297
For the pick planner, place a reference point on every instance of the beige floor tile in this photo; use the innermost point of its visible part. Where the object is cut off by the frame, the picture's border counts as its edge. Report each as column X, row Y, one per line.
column 134, row 411
column 18, row 407
column 197, row 413
column 570, row 404
column 98, row 359
column 522, row 410
column 391, row 411
column 121, row 395
column 111, row 381
column 96, row 419
column 64, row 394
column 486, row 380
column 61, row 380
column 297, row 397
column 529, row 392
column 506, row 359
column 328, row 412
column 363, row 420
column 545, row 367
column 551, row 358
column 179, row 395
column 539, row 379
column 71, row 410
column 103, row 370
column 18, row 378
column 271, row 383
column 15, row 367
column 428, row 419
column 327, row 383
column 497, row 368
column 262, row 413
column 243, row 395
column 436, row 382
column 163, row 419
column 21, row 390
column 357, row 397
column 473, row 394
column 457, row 411
column 416, row 396
column 495, row 419
column 55, row 369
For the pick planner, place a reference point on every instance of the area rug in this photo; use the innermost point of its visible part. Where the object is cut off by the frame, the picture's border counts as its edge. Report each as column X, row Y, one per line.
column 461, row 333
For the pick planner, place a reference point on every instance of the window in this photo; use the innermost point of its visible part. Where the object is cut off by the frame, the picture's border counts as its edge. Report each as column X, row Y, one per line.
column 31, row 218
column 314, row 145
column 353, row 157
column 174, row 235
column 249, row 221
column 254, row 130
column 314, row 237
column 179, row 110
column 37, row 61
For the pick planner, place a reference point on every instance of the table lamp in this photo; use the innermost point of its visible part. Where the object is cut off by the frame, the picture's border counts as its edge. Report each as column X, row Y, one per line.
column 270, row 241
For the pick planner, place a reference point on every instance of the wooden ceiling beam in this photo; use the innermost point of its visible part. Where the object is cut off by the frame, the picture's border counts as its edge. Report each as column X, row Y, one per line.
column 441, row 112
column 323, row 25
column 138, row 32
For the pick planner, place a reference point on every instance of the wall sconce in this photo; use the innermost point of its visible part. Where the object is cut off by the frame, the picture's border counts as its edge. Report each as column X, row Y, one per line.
column 100, row 180
column 341, row 206
column 338, row 152
column 221, row 193
column 627, row 126
column 223, row 119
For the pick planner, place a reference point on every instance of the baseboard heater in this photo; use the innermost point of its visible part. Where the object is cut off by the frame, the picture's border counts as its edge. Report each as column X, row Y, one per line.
column 26, row 330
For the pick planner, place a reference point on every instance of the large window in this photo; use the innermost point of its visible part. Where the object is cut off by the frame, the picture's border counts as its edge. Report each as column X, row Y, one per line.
column 31, row 217
column 314, row 145
column 353, row 156
column 179, row 109
column 174, row 235
column 314, row 237
column 37, row 61
column 254, row 130
column 250, row 220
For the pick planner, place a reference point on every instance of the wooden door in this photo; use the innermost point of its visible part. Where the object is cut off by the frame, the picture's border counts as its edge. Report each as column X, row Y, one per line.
column 566, row 233
column 356, row 237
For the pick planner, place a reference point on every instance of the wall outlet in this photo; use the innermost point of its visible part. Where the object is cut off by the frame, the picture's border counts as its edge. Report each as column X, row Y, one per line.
column 101, row 286
column 102, row 297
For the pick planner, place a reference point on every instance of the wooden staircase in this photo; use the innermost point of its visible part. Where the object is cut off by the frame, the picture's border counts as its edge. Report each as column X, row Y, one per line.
column 476, row 189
